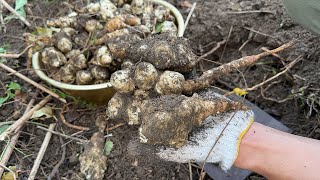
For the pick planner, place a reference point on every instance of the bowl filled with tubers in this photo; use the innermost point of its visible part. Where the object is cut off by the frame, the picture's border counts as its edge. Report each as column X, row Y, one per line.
column 79, row 52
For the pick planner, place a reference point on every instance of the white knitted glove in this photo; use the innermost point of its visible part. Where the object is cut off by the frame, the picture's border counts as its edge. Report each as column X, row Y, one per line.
column 200, row 142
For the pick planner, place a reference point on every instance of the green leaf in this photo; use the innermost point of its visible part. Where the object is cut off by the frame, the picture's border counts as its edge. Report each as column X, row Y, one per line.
column 20, row 4
column 4, row 128
column 108, row 147
column 159, row 27
column 14, row 86
column 2, row 50
column 22, row 13
column 4, row 99
column 19, row 9
column 10, row 95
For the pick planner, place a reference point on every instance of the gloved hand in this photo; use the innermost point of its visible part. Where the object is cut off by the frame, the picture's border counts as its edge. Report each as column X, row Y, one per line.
column 232, row 125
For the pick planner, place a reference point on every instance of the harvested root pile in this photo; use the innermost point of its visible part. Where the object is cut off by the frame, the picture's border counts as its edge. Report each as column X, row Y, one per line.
column 150, row 90
column 86, row 46
column 147, row 71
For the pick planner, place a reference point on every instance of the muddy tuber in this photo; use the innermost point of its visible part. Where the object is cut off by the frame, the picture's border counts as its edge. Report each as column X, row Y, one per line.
column 167, row 119
column 50, row 56
column 170, row 82
column 145, row 75
column 84, row 77
column 122, row 81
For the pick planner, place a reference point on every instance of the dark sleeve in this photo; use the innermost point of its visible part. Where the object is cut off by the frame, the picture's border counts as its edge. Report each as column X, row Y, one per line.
column 305, row 12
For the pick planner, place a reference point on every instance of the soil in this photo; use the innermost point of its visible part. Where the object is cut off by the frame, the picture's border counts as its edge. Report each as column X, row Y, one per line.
column 292, row 98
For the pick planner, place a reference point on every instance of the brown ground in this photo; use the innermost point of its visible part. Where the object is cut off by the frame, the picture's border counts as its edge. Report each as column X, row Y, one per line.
column 211, row 23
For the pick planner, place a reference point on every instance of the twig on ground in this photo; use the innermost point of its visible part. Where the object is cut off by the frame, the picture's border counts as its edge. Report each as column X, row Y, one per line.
column 15, row 55
column 247, row 41
column 55, row 170
column 289, row 66
column 250, row 12
column 189, row 16
column 211, row 61
column 226, row 44
column 65, row 122
column 40, row 155
column 190, row 171
column 212, row 50
column 28, row 108
column 63, row 135
column 8, row 169
column 262, row 91
column 273, row 54
column 5, row 4
column 258, row 32
column 24, row 118
column 37, row 85
column 115, row 126
column 13, row 141
column 2, row 24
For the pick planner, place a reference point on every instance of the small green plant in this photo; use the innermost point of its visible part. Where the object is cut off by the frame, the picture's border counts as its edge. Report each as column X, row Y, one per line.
column 3, row 50
column 80, row 102
column 108, row 147
column 19, row 8
column 159, row 27
column 10, row 92
column 60, row 93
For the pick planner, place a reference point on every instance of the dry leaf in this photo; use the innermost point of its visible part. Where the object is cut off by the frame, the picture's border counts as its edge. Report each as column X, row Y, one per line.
column 185, row 4
column 45, row 112
column 9, row 175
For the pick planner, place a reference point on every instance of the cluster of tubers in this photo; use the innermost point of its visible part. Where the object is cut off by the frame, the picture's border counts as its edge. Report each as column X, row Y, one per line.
column 113, row 40
column 88, row 45
column 120, row 41
column 153, row 92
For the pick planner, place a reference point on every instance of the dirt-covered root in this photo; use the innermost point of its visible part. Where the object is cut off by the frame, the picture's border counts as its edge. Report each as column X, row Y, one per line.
column 165, row 52
column 208, row 77
column 167, row 119
column 93, row 162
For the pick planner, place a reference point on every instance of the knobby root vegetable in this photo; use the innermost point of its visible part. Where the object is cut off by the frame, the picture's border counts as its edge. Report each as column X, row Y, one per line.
column 122, row 81
column 170, row 82
column 93, row 162
column 50, row 56
column 103, row 57
column 165, row 52
column 167, row 119
column 63, row 42
column 165, row 115
column 84, row 77
column 145, row 75
column 100, row 73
